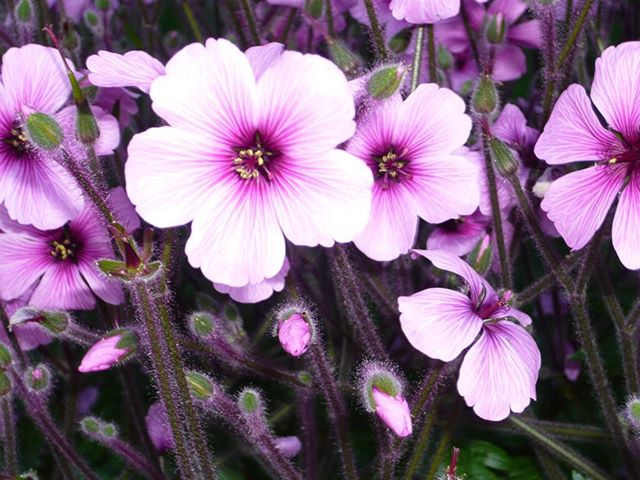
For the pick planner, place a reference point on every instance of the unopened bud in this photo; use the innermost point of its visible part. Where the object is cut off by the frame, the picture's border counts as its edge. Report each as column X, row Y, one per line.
column 485, row 97
column 109, row 430
column 24, row 11
column 400, row 41
column 496, row 29
column 44, row 131
column 632, row 413
column 86, row 125
column 102, row 5
column 295, row 334
column 503, row 158
column 5, row 356
column 202, row 324
column 92, row 21
column 314, row 8
column 386, row 81
column 343, row 57
column 289, row 446
column 250, row 401
column 90, row 425
column 5, row 384
column 445, row 59
column 200, row 385
column 38, row 378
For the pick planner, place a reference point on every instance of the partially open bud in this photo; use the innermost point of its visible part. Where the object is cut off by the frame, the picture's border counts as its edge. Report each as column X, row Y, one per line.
column 503, row 158
column 109, row 351
column 382, row 393
column 44, row 131
column 5, row 356
column 386, row 81
column 38, row 378
column 481, row 255
column 496, row 29
column 200, row 385
column 24, row 11
column 289, row 446
column 295, row 333
column 485, row 96
column 250, row 401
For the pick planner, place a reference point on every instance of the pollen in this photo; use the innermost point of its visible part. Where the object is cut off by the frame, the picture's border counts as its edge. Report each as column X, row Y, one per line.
column 253, row 163
column 17, row 139
column 63, row 250
column 391, row 166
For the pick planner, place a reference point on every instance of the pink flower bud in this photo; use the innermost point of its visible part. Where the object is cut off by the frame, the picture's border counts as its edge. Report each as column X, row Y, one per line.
column 158, row 427
column 289, row 446
column 108, row 351
column 294, row 334
column 393, row 411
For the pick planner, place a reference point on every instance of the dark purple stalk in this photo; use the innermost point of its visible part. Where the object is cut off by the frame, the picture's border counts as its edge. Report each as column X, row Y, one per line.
column 9, row 439
column 305, row 407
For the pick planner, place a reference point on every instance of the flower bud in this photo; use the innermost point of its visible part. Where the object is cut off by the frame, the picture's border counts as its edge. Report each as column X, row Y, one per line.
column 343, row 57
column 109, row 351
column 24, row 11
column 386, row 81
column 289, row 446
column 5, row 384
column 38, row 378
column 44, row 131
column 314, row 8
column 102, row 4
column 87, row 129
column 5, row 356
column 202, row 324
column 294, row 334
column 632, row 413
column 250, row 401
column 503, row 158
column 496, row 29
column 157, row 422
column 200, row 385
column 109, row 430
column 481, row 255
column 485, row 96
column 90, row 425
column 92, row 21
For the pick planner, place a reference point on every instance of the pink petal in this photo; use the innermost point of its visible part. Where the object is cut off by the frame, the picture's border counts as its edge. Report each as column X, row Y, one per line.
column 263, row 57
column 107, row 289
column 626, row 224
column 256, row 292
column 511, row 127
column 451, row 263
column 322, row 198
column 578, row 203
column 169, row 174
column 510, row 63
column 424, row 11
column 34, row 76
column 62, row 288
column 616, row 88
column 439, row 322
column 235, row 237
column 24, row 258
column 461, row 236
column 511, row 9
column 133, row 69
column 525, row 34
column 123, row 209
column 30, row 336
column 392, row 226
column 305, row 106
column 393, row 411
column 499, row 373
column 573, row 132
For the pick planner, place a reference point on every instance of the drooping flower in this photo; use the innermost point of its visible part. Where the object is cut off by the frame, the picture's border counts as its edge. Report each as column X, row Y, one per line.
column 109, row 351
column 59, row 264
column 34, row 188
column 133, row 69
column 249, row 157
column 393, row 411
column 410, row 146
column 157, row 422
column 500, row 370
column 294, row 334
column 578, row 202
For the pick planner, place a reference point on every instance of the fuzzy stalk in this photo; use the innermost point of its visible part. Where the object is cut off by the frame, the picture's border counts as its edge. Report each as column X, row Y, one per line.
column 251, row 21
column 191, row 19
column 431, row 53
column 416, row 66
column 9, row 439
column 308, row 425
column 323, row 376
column 376, row 30
column 132, row 457
column 420, row 447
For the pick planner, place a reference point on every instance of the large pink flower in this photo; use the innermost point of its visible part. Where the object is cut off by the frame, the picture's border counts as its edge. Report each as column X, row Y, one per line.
column 410, row 146
column 578, row 203
column 249, row 157
column 500, row 370
column 34, row 188
column 58, row 264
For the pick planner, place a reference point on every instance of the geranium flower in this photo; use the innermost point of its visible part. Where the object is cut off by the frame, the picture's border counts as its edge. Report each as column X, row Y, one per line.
column 500, row 370
column 410, row 146
column 578, row 202
column 250, row 158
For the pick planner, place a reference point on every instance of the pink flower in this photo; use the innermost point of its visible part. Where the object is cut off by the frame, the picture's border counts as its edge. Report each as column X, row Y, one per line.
column 289, row 446
column 500, row 370
column 393, row 411
column 294, row 334
column 133, row 69
column 410, row 146
column 59, row 264
column 256, row 292
column 108, row 351
column 424, row 11
column 459, row 236
column 157, row 422
column 578, row 203
column 34, row 188
column 249, row 157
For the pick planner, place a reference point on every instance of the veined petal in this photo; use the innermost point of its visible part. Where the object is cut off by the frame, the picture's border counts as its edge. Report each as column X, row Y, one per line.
column 62, row 288
column 256, row 292
column 424, row 11
column 626, row 224
column 133, row 69
column 262, row 57
column 578, row 203
column 24, row 258
column 439, row 322
column 499, row 373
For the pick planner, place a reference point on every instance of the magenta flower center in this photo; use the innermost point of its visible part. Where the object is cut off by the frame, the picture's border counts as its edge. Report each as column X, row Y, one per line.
column 64, row 248
column 392, row 167
column 253, row 162
column 17, row 139
column 630, row 156
column 489, row 310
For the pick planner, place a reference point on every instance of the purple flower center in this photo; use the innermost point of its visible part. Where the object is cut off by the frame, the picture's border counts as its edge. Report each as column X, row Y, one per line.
column 392, row 167
column 64, row 248
column 452, row 225
column 17, row 139
column 630, row 156
column 254, row 161
column 489, row 310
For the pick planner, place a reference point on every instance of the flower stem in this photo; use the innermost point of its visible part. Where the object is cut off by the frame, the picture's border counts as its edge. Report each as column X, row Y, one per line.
column 376, row 30
column 417, row 58
column 431, row 52
column 562, row 452
column 251, row 22
column 543, row 283
column 188, row 12
column 9, row 442
column 420, row 446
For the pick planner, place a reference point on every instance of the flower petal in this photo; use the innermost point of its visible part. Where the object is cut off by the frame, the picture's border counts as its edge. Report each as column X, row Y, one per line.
column 573, row 132
column 62, row 288
column 262, row 57
column 578, row 203
column 256, row 292
column 499, row 373
column 626, row 224
column 424, row 11
column 24, row 258
column 439, row 322
column 133, row 69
